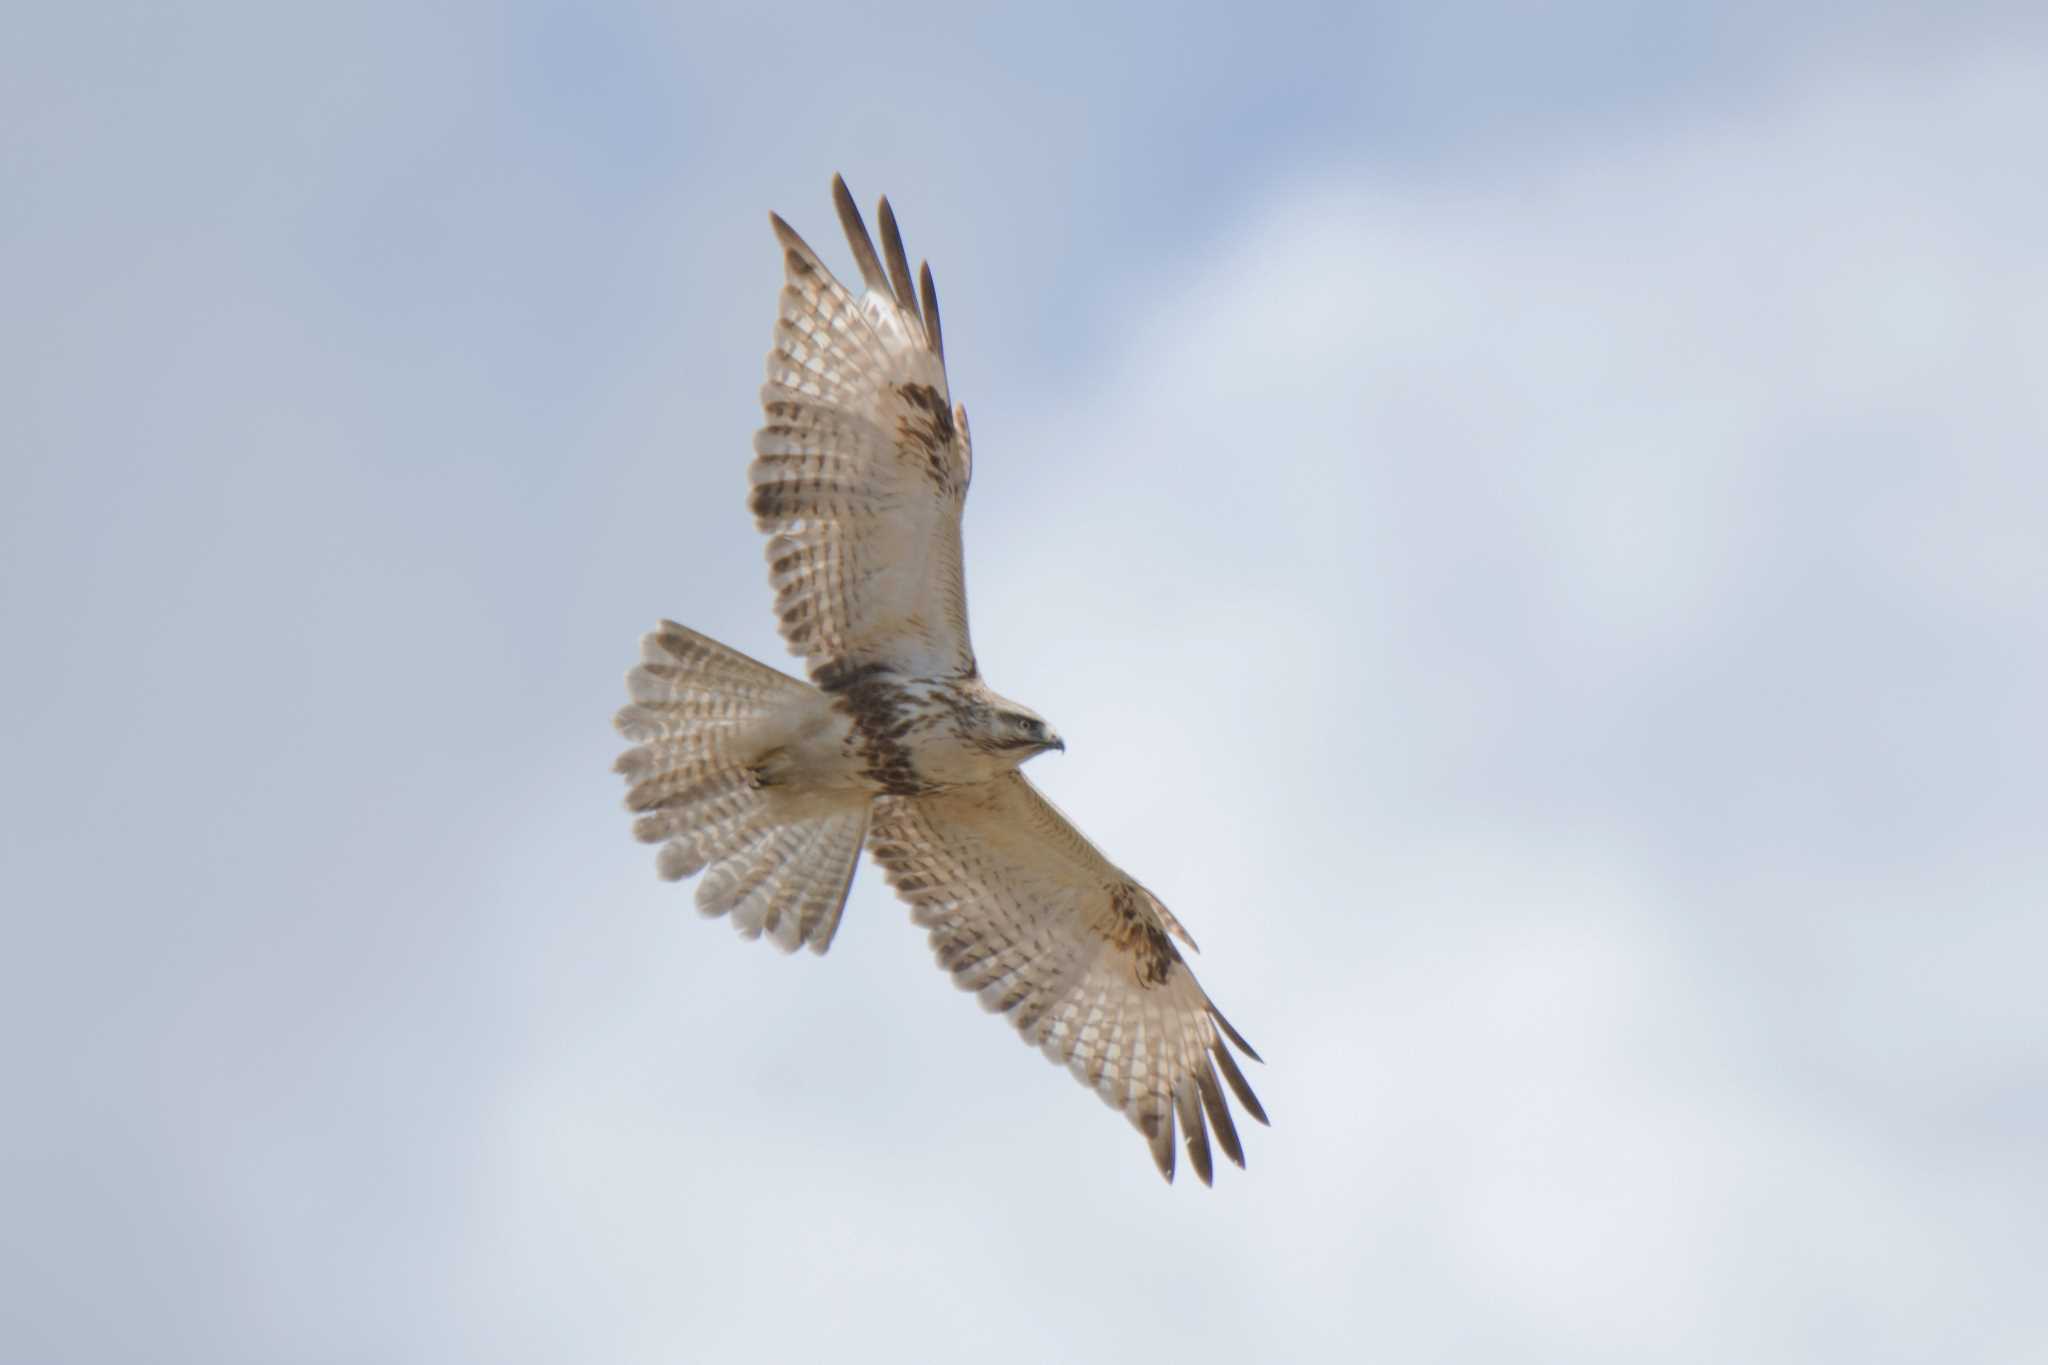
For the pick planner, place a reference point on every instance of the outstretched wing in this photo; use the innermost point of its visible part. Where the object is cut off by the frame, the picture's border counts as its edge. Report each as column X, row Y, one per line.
column 1026, row 913
column 862, row 467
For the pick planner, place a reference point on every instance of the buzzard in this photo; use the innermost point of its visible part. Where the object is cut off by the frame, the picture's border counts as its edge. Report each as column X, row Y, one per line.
column 770, row 787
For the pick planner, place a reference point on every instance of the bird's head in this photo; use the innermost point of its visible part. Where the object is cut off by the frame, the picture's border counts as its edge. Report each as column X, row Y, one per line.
column 1014, row 732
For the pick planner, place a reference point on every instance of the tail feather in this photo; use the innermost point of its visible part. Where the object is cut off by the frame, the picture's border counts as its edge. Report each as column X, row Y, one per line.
column 779, row 862
column 705, row 822
column 689, row 687
column 677, row 783
column 745, row 869
column 791, row 883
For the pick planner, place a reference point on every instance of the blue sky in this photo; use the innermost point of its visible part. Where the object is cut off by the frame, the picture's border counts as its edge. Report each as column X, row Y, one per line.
column 1529, row 523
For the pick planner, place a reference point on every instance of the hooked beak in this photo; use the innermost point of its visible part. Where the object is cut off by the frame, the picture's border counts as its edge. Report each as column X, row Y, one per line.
column 1055, row 742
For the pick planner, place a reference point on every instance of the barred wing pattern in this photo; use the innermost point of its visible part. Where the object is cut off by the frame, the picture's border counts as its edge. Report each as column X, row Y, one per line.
column 1026, row 913
column 861, row 469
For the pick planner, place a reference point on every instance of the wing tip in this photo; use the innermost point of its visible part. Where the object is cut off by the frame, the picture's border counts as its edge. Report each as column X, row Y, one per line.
column 1239, row 1086
column 897, row 259
column 1238, row 1038
column 797, row 255
column 1195, row 1133
column 1158, row 1131
column 928, row 299
column 856, row 230
column 1219, row 1113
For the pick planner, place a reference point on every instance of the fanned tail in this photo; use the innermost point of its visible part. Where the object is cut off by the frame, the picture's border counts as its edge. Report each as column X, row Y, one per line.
column 779, row 861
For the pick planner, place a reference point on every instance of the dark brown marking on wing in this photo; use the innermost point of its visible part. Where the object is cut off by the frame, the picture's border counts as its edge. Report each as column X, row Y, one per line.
column 840, row 675
column 929, row 425
column 1134, row 930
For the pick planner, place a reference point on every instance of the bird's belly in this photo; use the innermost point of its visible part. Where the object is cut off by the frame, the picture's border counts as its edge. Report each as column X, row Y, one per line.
column 828, row 750
column 940, row 758
column 817, row 749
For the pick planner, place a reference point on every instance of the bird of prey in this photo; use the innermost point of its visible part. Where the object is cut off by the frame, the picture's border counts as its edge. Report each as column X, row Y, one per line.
column 770, row 786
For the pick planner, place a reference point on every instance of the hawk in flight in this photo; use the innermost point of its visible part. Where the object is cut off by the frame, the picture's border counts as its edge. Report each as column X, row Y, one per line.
column 769, row 786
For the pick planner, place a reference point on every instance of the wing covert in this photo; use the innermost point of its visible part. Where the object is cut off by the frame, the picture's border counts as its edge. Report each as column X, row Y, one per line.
column 1026, row 913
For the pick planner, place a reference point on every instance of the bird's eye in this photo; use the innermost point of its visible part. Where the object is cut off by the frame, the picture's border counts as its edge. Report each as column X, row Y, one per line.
column 1021, row 724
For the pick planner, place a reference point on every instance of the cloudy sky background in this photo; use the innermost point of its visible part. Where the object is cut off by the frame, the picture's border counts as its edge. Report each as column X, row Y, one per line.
column 1531, row 527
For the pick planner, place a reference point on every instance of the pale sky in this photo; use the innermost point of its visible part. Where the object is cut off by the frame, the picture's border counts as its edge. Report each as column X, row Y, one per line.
column 1531, row 528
